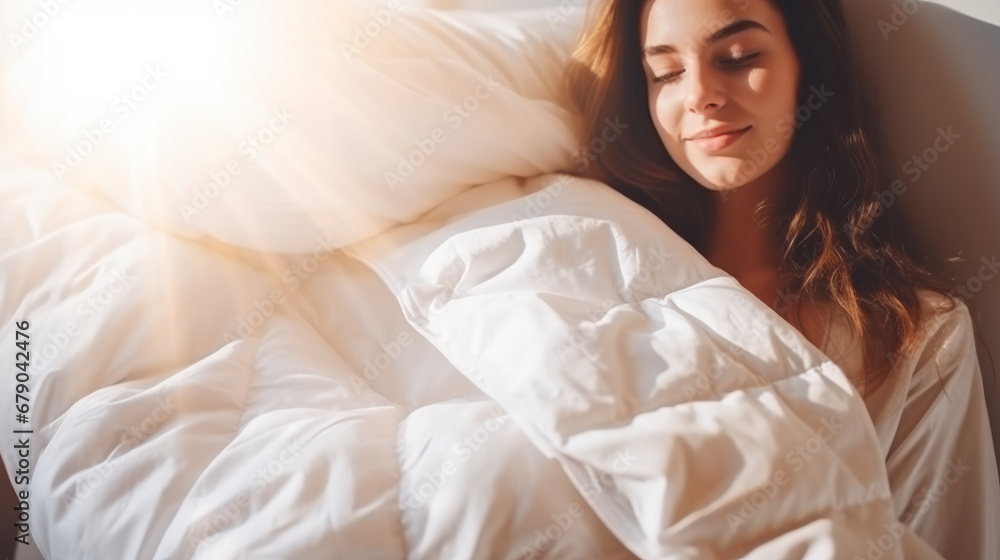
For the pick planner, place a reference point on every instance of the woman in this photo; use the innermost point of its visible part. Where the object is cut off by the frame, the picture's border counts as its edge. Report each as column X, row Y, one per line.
column 750, row 137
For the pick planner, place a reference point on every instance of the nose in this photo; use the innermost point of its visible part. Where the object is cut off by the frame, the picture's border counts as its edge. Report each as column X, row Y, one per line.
column 705, row 94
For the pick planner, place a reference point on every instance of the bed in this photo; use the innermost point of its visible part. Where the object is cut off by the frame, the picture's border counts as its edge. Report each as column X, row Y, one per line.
column 446, row 356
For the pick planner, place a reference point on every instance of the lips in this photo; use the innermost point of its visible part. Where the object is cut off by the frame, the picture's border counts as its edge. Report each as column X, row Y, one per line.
column 713, row 141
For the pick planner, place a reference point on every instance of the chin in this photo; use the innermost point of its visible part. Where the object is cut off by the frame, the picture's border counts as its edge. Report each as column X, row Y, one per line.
column 721, row 178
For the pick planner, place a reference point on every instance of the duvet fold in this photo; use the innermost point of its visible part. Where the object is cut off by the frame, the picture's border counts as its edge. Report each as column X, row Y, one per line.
column 710, row 426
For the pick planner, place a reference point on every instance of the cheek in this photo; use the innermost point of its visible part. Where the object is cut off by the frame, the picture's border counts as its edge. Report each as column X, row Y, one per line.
column 775, row 91
column 666, row 116
column 781, row 85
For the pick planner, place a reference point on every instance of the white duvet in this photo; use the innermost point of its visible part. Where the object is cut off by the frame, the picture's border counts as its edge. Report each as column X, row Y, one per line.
column 535, row 369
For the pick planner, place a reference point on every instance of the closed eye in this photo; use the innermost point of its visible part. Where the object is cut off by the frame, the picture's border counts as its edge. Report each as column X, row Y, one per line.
column 668, row 78
column 736, row 62
column 739, row 61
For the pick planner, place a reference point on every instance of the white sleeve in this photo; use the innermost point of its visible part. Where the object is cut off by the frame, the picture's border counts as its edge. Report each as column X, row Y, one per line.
column 942, row 468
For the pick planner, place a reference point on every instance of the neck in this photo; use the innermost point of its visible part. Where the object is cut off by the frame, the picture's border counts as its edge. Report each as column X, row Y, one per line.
column 743, row 239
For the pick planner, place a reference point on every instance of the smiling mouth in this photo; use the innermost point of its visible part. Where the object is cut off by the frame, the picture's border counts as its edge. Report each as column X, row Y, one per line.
column 719, row 141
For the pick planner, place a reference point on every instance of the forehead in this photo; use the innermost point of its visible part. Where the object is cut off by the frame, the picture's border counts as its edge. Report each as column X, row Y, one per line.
column 686, row 24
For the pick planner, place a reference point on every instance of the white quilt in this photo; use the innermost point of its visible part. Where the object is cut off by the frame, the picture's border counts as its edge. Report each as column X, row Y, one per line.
column 544, row 371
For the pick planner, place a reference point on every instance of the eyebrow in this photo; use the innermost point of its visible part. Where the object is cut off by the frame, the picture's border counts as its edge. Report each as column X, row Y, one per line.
column 720, row 34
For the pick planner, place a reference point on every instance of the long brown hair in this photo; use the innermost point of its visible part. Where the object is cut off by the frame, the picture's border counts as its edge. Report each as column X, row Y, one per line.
column 840, row 245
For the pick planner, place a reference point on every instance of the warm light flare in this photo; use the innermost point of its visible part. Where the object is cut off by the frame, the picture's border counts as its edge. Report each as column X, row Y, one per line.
column 104, row 59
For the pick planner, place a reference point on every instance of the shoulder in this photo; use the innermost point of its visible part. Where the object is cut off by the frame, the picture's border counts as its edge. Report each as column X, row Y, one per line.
column 946, row 327
column 937, row 306
column 940, row 373
column 945, row 341
column 947, row 348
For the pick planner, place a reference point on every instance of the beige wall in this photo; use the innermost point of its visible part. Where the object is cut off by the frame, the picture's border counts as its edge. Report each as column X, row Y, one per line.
column 986, row 10
column 939, row 68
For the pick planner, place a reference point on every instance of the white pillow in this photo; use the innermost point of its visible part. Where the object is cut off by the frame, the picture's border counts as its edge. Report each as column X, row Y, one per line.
column 277, row 125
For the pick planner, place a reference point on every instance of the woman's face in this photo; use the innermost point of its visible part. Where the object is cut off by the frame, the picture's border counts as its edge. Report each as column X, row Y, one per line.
column 723, row 78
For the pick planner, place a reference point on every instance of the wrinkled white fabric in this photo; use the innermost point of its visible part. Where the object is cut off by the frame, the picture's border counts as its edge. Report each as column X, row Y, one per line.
column 934, row 432
column 213, row 403
column 747, row 441
column 564, row 379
